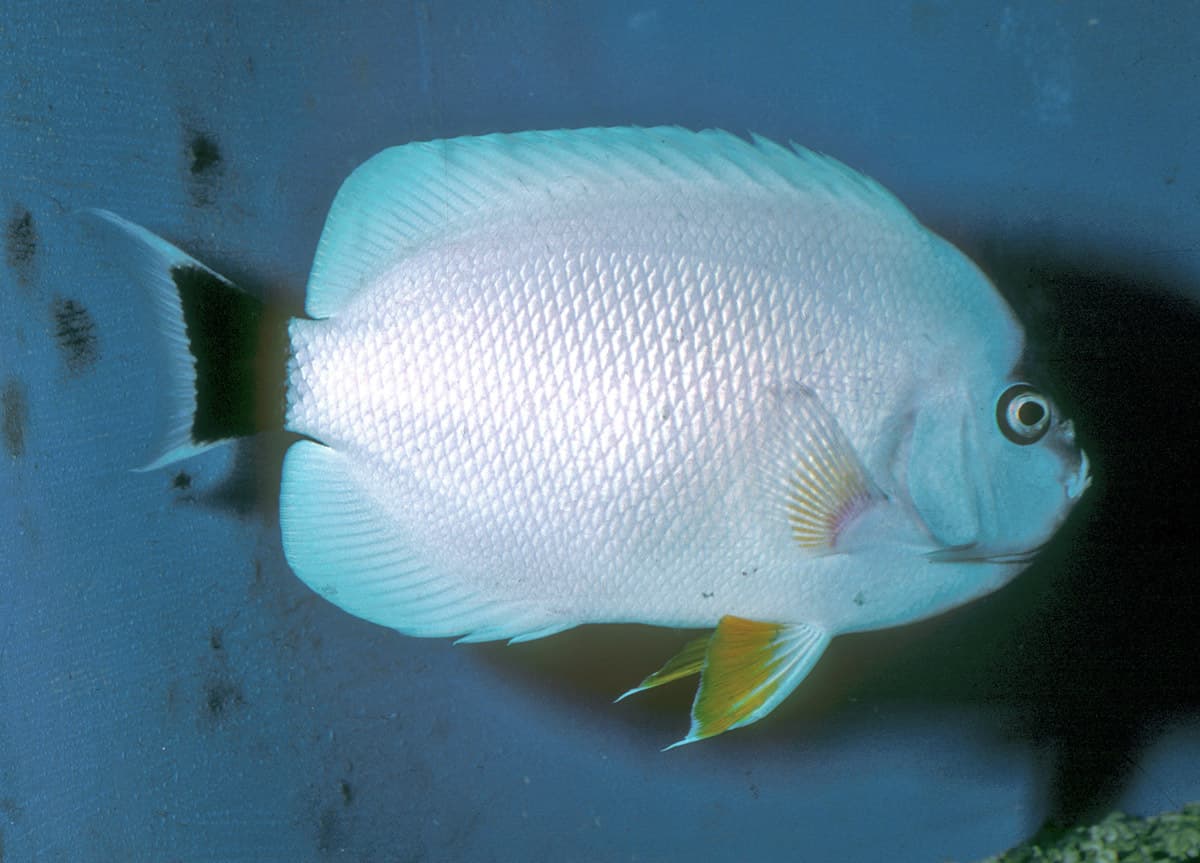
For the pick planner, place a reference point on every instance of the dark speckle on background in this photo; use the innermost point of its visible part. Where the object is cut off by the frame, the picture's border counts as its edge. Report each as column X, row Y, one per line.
column 75, row 332
column 329, row 831
column 20, row 244
column 14, row 413
column 11, row 809
column 204, row 164
column 11, row 812
column 221, row 697
column 205, row 153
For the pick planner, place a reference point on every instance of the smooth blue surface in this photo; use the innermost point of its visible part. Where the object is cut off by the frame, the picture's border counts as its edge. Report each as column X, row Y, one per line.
column 169, row 691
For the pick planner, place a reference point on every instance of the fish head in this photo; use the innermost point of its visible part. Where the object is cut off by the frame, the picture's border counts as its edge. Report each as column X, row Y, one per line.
column 991, row 479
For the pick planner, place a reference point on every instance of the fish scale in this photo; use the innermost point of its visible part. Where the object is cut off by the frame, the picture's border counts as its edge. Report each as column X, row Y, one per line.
column 590, row 331
column 641, row 375
column 592, row 328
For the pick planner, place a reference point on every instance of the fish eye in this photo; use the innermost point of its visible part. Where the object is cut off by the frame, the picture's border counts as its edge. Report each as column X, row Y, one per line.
column 1023, row 414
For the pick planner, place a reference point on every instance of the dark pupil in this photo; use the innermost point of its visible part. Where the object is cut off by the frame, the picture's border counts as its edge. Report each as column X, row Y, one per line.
column 1030, row 413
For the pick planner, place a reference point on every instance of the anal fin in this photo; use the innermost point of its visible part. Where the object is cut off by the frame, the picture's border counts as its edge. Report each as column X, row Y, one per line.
column 352, row 550
column 688, row 661
column 749, row 668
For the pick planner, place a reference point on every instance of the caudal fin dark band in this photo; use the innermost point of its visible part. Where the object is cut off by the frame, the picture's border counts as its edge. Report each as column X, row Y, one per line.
column 224, row 353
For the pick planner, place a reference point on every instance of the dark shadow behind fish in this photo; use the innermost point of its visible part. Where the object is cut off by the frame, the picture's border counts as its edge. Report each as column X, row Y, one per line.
column 1091, row 652
column 1095, row 649
column 1108, row 651
column 1086, row 656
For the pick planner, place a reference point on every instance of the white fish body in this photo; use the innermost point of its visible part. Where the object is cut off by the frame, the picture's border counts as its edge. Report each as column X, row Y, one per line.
column 654, row 376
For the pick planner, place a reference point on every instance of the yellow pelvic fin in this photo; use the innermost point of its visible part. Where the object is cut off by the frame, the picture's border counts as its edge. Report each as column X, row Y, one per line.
column 684, row 663
column 827, row 486
column 748, row 669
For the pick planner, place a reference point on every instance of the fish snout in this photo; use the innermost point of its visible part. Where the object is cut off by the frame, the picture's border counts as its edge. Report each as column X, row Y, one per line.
column 1077, row 475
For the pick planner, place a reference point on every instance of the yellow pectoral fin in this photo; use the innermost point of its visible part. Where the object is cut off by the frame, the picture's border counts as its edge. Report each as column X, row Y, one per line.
column 684, row 663
column 748, row 669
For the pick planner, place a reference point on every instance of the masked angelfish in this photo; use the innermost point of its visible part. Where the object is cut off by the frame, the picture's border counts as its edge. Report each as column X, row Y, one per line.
column 632, row 375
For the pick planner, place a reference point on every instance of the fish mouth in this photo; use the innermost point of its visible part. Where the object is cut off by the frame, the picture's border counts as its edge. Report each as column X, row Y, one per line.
column 974, row 554
column 1073, row 487
column 1079, row 483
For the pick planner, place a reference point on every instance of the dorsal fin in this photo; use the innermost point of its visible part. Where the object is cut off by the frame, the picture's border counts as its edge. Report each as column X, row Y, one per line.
column 418, row 193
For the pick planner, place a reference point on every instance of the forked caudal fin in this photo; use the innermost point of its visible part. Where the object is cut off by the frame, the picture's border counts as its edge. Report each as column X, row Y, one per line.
column 221, row 350
column 747, row 668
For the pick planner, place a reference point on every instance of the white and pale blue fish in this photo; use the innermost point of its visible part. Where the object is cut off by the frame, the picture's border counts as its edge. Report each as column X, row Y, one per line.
column 633, row 375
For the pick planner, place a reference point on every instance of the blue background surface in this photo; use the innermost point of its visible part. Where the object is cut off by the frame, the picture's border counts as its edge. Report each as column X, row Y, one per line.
column 169, row 691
